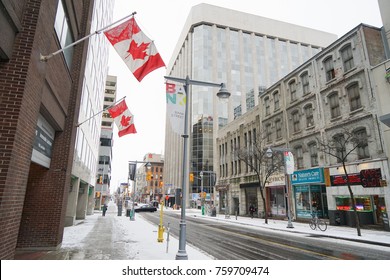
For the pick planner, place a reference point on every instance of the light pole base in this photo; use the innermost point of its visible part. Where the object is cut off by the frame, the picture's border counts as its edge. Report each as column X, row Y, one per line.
column 181, row 255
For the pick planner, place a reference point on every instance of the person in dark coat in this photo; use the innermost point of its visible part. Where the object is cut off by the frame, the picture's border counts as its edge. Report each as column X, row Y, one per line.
column 252, row 210
column 104, row 209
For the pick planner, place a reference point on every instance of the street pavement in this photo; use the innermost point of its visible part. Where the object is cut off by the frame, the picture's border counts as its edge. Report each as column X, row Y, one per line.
column 115, row 237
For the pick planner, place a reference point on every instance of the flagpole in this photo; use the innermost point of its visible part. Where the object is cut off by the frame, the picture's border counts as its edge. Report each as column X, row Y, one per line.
column 77, row 125
column 45, row 58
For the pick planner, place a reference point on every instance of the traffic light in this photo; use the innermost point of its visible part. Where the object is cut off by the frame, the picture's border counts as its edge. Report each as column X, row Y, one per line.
column 148, row 176
column 161, row 184
column 191, row 177
column 101, row 179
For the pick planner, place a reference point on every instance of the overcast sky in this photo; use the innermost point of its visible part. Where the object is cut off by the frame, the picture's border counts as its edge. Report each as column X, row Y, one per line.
column 162, row 21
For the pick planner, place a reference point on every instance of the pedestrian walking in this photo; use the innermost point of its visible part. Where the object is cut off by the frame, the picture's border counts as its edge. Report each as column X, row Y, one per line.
column 252, row 210
column 104, row 209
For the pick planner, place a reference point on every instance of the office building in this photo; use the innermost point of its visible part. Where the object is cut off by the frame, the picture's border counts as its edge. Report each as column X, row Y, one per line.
column 247, row 52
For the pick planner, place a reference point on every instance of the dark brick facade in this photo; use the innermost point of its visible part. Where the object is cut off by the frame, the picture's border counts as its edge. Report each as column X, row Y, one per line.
column 33, row 198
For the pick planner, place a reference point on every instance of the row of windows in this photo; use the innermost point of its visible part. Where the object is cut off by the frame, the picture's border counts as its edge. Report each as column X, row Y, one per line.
column 299, row 151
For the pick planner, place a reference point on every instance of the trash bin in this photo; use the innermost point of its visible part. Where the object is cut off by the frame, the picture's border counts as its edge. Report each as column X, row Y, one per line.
column 385, row 218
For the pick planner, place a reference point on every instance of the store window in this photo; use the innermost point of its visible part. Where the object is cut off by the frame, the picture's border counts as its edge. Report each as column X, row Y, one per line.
column 277, row 201
column 363, row 203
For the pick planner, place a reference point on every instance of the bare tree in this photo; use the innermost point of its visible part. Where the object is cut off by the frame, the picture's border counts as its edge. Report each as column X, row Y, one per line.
column 253, row 154
column 340, row 147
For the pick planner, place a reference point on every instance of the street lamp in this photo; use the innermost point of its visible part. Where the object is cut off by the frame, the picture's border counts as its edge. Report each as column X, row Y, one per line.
column 289, row 169
column 133, row 176
column 222, row 94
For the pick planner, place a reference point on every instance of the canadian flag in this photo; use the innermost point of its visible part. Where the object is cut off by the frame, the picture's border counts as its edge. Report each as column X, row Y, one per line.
column 135, row 48
column 123, row 118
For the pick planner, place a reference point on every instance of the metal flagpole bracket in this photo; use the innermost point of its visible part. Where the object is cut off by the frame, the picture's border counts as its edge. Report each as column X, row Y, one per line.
column 45, row 58
column 77, row 125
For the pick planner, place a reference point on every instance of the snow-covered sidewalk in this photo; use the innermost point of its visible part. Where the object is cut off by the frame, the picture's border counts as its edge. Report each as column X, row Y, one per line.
column 138, row 239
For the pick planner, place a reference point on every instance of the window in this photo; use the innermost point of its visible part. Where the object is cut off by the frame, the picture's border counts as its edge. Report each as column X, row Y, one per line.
column 268, row 132
column 305, row 83
column 267, row 106
column 347, row 57
column 309, row 116
column 354, row 97
column 278, row 126
column 293, row 90
column 296, row 123
column 276, row 101
column 64, row 34
column 334, row 105
column 313, row 154
column 329, row 69
column 339, row 144
column 361, row 138
column 299, row 156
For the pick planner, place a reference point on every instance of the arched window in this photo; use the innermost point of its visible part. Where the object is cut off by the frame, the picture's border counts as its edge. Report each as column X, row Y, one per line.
column 354, row 96
column 296, row 121
column 293, row 90
column 347, row 57
column 309, row 115
column 329, row 69
column 313, row 153
column 305, row 83
column 334, row 105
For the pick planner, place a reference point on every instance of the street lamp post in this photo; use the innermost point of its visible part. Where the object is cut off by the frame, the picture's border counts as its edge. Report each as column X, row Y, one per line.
column 148, row 165
column 222, row 94
column 289, row 169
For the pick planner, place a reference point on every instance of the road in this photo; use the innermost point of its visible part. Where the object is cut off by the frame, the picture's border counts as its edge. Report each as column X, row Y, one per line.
column 234, row 242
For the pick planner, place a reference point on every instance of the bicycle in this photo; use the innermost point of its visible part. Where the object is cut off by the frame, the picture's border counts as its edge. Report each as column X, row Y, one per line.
column 316, row 222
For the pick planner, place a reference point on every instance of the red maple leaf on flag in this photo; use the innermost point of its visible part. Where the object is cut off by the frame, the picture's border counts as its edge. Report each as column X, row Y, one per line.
column 138, row 51
column 125, row 120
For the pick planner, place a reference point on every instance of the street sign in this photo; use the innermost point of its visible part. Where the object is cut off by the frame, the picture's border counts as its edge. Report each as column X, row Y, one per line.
column 289, row 162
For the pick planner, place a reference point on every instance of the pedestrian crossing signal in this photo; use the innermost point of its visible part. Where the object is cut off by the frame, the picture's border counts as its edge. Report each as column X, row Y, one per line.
column 191, row 177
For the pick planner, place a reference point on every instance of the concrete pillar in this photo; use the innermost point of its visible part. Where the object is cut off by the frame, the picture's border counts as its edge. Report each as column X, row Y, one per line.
column 82, row 199
column 72, row 202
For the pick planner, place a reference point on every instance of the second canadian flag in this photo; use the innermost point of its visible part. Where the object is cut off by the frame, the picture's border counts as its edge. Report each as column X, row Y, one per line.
column 123, row 118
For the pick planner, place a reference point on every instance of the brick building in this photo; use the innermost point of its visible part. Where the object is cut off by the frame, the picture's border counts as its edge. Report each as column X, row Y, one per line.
column 39, row 107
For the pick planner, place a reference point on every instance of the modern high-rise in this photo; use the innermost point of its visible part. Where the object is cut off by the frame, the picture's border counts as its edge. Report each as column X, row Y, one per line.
column 103, row 181
column 248, row 53
column 81, row 200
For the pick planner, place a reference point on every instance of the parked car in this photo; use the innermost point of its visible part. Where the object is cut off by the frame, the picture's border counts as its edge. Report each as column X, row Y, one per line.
column 146, row 208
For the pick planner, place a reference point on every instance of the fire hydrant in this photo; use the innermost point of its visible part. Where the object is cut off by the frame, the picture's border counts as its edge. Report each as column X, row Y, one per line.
column 160, row 237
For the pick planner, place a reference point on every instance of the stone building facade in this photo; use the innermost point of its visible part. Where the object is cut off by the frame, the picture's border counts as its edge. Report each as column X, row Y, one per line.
column 333, row 91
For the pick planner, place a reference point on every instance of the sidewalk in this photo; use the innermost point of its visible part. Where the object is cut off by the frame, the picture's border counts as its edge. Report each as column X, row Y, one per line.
column 138, row 238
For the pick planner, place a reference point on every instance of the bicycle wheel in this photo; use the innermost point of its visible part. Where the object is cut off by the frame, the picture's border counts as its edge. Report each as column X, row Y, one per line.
column 322, row 225
column 312, row 225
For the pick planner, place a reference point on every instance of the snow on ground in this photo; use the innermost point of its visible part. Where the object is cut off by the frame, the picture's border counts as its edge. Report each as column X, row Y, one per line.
column 141, row 236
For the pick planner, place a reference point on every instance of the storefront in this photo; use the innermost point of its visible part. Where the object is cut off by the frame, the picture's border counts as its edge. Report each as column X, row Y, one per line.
column 369, row 195
column 309, row 193
column 276, row 194
column 250, row 191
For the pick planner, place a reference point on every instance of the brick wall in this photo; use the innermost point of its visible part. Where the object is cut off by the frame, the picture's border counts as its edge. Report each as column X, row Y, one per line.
column 33, row 198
